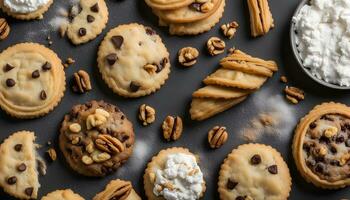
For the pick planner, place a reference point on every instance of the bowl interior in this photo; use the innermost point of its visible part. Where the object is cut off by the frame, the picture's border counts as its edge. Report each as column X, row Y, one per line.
column 297, row 56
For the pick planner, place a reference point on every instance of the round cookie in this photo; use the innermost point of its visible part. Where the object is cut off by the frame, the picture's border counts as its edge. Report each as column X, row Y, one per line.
column 168, row 4
column 198, row 27
column 118, row 189
column 37, row 14
column 89, row 23
column 133, row 66
column 170, row 167
column 321, row 146
column 189, row 13
column 32, row 80
column 96, row 138
column 66, row 194
column 254, row 171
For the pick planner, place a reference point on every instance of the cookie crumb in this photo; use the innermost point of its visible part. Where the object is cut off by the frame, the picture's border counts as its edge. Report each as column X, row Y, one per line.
column 68, row 62
column 294, row 95
column 52, row 154
column 283, row 79
column 229, row 29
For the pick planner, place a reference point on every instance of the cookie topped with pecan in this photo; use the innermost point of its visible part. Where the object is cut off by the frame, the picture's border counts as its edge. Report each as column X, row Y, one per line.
column 321, row 146
column 96, row 138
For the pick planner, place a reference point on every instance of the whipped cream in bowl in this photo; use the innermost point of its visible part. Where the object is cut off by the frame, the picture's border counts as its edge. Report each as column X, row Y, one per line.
column 24, row 6
column 320, row 38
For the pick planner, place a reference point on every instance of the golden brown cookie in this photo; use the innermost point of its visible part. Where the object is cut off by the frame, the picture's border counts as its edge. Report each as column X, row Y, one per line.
column 66, row 194
column 32, row 80
column 168, row 4
column 321, row 146
column 254, row 171
column 160, row 185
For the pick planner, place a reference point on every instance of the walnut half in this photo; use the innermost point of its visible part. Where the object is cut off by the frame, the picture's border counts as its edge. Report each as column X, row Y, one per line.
column 215, row 46
column 187, row 56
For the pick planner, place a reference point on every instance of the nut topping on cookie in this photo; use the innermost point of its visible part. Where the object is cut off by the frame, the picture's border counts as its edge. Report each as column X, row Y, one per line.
column 87, row 160
column 187, row 56
column 215, row 46
column 147, row 114
column 109, row 144
column 217, row 136
column 75, row 128
column 117, row 41
column 8, row 68
column 151, row 68
column 172, row 128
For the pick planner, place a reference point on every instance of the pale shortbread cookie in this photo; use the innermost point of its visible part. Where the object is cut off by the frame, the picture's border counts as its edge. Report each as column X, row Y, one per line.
column 89, row 23
column 187, row 14
column 197, row 27
column 321, row 146
column 18, row 166
column 66, row 194
column 203, row 108
column 118, row 189
column 168, row 4
column 38, row 14
column 254, row 171
column 158, row 162
column 32, row 80
column 133, row 60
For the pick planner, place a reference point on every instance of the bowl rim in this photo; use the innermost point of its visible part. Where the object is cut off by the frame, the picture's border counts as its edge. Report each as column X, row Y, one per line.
column 292, row 35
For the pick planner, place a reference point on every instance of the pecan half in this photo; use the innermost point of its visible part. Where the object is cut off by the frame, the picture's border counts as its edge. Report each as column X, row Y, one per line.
column 108, row 143
column 229, row 29
column 217, row 136
column 215, row 46
column 187, row 56
column 147, row 114
column 82, row 82
column 4, row 29
column 172, row 128
column 116, row 189
column 294, row 95
column 150, row 68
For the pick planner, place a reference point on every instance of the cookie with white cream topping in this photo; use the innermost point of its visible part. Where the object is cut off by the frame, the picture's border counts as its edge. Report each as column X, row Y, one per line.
column 25, row 9
column 174, row 174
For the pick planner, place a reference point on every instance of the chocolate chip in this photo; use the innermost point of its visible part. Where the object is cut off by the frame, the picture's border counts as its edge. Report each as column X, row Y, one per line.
column 273, row 169
column 90, row 18
column 255, row 160
column 231, row 184
column 82, row 32
column 161, row 65
column 319, row 168
column 22, row 167
column 18, row 147
column 335, row 162
column 324, row 139
column 117, row 41
column 134, row 87
column 43, row 95
column 347, row 143
column 340, row 139
column 8, row 67
column 333, row 149
column 150, row 31
column 46, row 66
column 196, row 6
column 240, row 198
column 29, row 191
column 122, row 117
column 36, row 74
column 111, row 58
column 95, row 8
column 312, row 125
column 12, row 180
column 10, row 82
column 326, row 117
column 310, row 163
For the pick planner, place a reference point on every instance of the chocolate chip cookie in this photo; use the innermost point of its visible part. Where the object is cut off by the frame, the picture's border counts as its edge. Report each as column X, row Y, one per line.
column 133, row 60
column 322, row 144
column 96, row 138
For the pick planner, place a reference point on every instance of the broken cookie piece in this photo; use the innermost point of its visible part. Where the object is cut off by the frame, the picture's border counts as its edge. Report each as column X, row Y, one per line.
column 294, row 94
column 261, row 20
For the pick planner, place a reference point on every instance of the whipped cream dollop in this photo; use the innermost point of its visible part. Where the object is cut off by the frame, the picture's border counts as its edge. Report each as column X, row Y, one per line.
column 24, row 6
column 323, row 39
column 181, row 179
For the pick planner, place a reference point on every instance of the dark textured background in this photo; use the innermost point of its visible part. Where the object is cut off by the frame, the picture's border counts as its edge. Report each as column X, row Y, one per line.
column 174, row 98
